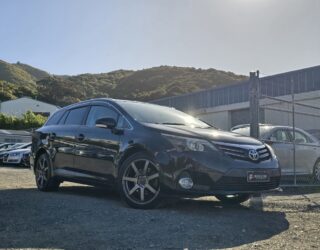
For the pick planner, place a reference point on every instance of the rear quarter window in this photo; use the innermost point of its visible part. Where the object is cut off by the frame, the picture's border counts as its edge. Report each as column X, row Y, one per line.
column 54, row 119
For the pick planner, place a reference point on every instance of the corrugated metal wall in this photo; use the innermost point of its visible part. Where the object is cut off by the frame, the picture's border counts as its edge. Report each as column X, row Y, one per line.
column 305, row 80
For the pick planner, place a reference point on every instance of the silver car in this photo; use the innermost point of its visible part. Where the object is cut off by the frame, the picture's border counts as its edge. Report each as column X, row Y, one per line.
column 281, row 139
column 19, row 157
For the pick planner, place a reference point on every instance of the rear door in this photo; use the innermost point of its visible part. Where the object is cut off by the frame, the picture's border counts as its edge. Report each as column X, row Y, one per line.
column 283, row 148
column 97, row 148
column 63, row 140
column 307, row 152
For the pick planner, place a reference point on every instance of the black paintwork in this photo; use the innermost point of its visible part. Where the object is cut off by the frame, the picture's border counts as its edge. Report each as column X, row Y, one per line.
column 93, row 155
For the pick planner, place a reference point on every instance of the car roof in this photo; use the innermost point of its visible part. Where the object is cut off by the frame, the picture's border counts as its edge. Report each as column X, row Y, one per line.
column 115, row 102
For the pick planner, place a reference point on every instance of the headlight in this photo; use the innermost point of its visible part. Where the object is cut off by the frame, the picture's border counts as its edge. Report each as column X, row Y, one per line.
column 15, row 154
column 271, row 151
column 25, row 156
column 189, row 144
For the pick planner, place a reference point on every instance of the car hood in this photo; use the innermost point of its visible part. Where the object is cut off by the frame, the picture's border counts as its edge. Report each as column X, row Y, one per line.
column 4, row 152
column 211, row 134
column 24, row 150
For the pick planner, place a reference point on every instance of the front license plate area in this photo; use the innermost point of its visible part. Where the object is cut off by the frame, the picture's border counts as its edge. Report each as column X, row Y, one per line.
column 257, row 176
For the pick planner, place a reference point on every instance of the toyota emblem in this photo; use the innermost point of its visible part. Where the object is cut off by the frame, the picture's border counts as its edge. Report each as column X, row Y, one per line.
column 253, row 155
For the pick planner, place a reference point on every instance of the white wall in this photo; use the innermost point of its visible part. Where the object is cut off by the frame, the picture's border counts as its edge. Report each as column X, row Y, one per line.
column 218, row 119
column 221, row 116
column 20, row 106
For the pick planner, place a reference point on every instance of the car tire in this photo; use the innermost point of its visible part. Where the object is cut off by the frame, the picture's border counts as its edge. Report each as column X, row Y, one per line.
column 45, row 182
column 234, row 199
column 139, row 181
column 316, row 172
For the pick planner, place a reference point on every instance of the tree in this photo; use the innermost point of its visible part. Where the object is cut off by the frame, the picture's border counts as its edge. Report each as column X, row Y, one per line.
column 27, row 121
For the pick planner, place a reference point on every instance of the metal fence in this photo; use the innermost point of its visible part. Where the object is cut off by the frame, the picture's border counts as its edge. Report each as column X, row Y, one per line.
column 294, row 116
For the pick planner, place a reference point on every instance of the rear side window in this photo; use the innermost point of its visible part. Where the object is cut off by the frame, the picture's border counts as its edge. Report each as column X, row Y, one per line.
column 63, row 118
column 54, row 119
column 76, row 116
column 301, row 138
column 97, row 112
column 280, row 135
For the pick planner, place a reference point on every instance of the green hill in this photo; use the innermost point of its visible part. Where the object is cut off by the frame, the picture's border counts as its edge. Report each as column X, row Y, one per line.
column 166, row 81
column 147, row 84
column 12, row 73
column 37, row 74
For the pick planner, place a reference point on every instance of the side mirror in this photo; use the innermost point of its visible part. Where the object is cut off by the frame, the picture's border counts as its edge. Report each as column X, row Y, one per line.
column 109, row 123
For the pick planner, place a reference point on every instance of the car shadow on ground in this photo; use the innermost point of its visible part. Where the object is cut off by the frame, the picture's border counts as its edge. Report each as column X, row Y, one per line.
column 82, row 217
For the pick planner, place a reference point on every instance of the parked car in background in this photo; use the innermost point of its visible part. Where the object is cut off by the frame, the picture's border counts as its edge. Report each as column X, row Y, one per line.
column 281, row 139
column 5, row 146
column 20, row 157
column 13, row 147
column 147, row 151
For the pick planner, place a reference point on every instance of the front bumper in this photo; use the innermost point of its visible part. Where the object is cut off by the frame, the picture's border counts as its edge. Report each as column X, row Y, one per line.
column 235, row 181
column 20, row 160
column 215, row 174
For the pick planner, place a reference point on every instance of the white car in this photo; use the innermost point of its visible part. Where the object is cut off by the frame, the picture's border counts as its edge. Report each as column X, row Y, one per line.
column 18, row 157
column 280, row 138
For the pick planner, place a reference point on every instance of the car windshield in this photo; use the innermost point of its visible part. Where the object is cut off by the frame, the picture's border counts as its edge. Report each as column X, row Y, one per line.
column 17, row 145
column 20, row 145
column 151, row 113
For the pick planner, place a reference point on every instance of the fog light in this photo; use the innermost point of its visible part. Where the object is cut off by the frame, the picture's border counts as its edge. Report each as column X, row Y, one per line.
column 186, row 182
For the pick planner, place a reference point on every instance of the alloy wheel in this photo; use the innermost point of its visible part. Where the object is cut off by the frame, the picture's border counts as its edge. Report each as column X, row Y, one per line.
column 42, row 171
column 140, row 181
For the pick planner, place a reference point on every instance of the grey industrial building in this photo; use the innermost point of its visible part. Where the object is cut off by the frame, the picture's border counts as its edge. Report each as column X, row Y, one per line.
column 228, row 106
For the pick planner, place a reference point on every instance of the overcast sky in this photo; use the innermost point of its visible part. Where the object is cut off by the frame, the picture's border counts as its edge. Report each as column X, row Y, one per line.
column 78, row 36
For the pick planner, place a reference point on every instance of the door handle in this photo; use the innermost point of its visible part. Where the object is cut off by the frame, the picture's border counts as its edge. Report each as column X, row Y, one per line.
column 80, row 137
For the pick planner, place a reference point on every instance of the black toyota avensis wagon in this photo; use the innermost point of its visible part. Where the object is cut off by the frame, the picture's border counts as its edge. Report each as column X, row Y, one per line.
column 147, row 151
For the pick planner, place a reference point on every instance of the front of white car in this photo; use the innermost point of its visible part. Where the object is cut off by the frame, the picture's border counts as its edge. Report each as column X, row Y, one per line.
column 18, row 157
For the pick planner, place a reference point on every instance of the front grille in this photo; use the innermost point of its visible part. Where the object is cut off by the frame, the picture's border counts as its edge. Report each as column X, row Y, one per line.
column 240, row 184
column 12, row 161
column 241, row 152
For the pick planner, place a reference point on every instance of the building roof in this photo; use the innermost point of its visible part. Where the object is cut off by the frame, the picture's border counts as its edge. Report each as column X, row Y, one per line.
column 29, row 98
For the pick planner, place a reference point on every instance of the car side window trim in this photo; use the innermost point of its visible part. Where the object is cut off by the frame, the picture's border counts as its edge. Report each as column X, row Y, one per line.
column 63, row 118
column 83, row 118
column 124, row 117
column 98, row 105
column 109, row 105
column 60, row 114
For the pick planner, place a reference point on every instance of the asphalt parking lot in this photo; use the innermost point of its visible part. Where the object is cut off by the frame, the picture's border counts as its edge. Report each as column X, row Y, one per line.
column 83, row 217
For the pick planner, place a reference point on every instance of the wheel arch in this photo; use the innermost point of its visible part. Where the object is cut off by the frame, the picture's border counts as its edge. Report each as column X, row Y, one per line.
column 314, row 168
column 131, row 151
